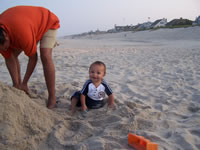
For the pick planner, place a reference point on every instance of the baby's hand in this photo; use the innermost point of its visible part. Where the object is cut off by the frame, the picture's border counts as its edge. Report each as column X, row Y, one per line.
column 84, row 108
column 111, row 106
column 71, row 113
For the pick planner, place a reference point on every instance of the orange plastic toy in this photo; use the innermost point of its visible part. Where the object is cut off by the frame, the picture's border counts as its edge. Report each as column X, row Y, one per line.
column 140, row 143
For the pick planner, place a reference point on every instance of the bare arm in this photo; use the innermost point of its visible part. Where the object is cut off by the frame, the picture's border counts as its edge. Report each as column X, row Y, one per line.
column 12, row 64
column 111, row 100
column 30, row 67
column 83, row 105
column 29, row 70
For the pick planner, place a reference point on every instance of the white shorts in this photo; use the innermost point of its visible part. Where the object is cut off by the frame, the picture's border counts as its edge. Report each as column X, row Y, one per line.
column 49, row 39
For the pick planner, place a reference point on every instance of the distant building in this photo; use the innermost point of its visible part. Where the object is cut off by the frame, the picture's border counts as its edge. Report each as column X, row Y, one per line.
column 179, row 22
column 197, row 21
column 159, row 23
column 143, row 26
column 124, row 28
column 111, row 31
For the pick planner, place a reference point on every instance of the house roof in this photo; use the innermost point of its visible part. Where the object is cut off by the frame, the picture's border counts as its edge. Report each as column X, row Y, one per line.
column 179, row 22
column 156, row 22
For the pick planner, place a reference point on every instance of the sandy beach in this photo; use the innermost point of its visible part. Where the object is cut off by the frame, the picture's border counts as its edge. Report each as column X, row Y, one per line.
column 155, row 77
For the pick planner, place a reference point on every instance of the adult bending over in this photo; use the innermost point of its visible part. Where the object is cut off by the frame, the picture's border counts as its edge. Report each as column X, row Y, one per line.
column 21, row 28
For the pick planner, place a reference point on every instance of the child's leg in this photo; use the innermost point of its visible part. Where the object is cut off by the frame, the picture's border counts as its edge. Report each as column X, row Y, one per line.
column 74, row 101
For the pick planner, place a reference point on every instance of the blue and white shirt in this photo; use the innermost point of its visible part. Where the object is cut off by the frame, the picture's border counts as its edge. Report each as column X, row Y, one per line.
column 94, row 93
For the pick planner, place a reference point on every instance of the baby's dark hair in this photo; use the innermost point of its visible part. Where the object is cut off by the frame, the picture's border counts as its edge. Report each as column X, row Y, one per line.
column 2, row 37
column 99, row 63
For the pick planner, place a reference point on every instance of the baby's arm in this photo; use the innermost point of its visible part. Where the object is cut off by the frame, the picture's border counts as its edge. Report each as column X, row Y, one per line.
column 111, row 101
column 83, row 105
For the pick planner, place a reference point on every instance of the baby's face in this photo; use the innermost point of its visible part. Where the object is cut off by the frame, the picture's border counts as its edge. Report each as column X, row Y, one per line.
column 96, row 73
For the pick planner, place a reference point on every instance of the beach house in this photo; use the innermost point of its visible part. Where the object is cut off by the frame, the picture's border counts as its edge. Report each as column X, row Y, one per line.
column 197, row 21
column 179, row 22
column 143, row 26
column 124, row 28
column 159, row 23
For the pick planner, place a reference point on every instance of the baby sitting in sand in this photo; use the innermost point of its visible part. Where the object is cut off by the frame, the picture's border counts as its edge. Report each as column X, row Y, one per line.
column 93, row 92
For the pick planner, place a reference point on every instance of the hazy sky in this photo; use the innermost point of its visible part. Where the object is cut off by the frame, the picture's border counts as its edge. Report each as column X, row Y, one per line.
column 77, row 16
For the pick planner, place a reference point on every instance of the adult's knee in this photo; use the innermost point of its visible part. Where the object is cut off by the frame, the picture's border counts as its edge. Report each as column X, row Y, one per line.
column 45, row 55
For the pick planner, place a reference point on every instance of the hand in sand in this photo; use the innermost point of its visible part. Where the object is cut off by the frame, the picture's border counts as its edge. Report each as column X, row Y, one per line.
column 24, row 88
column 84, row 108
column 111, row 106
column 71, row 113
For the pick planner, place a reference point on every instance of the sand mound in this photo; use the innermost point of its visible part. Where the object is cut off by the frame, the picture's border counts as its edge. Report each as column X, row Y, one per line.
column 23, row 122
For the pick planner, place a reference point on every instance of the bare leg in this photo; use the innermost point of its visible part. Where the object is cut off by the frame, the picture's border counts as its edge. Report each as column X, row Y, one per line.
column 73, row 105
column 49, row 73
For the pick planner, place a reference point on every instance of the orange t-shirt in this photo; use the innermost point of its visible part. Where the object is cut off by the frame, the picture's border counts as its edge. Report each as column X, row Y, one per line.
column 25, row 26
